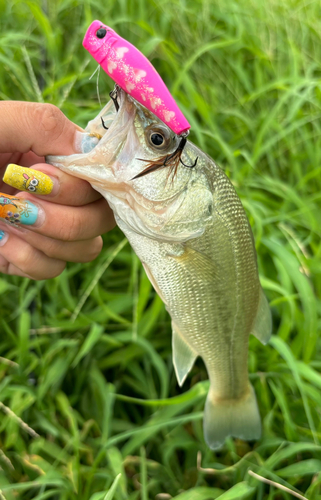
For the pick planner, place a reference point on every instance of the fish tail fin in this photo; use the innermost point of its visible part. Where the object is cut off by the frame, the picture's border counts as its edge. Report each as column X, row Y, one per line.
column 234, row 417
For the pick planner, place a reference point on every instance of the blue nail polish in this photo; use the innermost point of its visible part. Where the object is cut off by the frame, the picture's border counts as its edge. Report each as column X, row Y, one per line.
column 88, row 143
column 2, row 234
column 29, row 214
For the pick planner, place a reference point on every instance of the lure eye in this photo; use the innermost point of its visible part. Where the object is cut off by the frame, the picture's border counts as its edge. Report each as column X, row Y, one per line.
column 157, row 139
column 101, row 33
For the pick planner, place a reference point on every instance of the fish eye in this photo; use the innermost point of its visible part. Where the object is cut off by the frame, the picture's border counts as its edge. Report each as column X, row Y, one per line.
column 101, row 33
column 158, row 137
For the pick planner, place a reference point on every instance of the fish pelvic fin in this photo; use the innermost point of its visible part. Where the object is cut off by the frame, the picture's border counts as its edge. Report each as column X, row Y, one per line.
column 262, row 328
column 234, row 417
column 183, row 356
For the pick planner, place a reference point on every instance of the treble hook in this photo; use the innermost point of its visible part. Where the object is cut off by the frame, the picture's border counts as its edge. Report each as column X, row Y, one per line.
column 165, row 160
column 179, row 151
column 103, row 123
column 189, row 166
column 113, row 95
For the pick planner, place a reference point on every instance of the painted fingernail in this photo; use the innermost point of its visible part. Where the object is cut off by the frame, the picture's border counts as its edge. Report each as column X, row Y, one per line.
column 28, row 179
column 3, row 237
column 17, row 211
column 86, row 142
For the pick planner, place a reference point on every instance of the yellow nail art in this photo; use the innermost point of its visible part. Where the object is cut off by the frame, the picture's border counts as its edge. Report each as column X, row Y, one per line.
column 27, row 179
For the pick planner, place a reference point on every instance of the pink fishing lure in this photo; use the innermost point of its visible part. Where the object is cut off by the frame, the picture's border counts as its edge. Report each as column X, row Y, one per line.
column 133, row 72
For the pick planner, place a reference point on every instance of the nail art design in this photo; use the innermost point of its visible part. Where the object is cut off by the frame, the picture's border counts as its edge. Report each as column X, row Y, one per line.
column 17, row 210
column 2, row 234
column 27, row 179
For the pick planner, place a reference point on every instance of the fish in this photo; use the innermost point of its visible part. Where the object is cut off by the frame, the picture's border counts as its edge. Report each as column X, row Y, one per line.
column 186, row 223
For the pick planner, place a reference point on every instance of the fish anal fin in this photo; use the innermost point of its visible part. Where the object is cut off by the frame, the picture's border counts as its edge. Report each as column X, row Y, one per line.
column 262, row 327
column 183, row 356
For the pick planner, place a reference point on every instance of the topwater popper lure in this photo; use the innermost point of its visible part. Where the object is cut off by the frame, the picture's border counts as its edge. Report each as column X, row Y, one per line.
column 133, row 72
column 192, row 234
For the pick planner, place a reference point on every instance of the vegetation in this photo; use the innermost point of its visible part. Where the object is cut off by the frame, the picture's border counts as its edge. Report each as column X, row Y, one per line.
column 87, row 388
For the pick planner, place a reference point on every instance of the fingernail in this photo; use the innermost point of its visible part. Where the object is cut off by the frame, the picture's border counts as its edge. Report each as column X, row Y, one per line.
column 15, row 211
column 28, row 179
column 3, row 237
column 84, row 143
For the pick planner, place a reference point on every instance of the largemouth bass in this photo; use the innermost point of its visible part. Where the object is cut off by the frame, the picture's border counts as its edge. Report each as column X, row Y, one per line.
column 191, row 233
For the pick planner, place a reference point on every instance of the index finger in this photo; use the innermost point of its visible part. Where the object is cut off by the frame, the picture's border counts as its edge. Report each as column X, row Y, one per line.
column 37, row 127
column 56, row 185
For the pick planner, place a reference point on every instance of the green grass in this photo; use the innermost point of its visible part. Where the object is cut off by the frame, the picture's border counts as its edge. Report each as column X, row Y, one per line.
column 87, row 388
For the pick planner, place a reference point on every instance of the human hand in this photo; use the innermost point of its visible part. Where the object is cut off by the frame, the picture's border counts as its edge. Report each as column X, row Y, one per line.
column 43, row 232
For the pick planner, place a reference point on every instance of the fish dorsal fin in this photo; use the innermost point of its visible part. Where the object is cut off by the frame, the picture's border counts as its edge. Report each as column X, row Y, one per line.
column 183, row 356
column 262, row 327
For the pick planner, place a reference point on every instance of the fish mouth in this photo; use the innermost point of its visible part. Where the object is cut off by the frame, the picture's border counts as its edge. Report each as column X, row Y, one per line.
column 107, row 118
column 101, row 142
column 97, row 130
column 119, row 113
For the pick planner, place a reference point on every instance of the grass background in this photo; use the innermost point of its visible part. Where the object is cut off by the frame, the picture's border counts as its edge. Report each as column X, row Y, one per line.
column 87, row 389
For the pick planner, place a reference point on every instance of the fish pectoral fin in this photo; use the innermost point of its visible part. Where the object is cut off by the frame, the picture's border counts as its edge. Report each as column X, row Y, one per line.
column 153, row 281
column 183, row 356
column 262, row 328
column 199, row 265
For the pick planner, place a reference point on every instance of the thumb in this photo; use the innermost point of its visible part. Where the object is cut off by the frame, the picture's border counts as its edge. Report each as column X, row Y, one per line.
column 41, row 128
